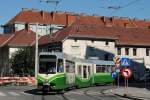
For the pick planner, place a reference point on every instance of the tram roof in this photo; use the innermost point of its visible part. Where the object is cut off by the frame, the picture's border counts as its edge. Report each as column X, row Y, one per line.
column 102, row 62
column 63, row 55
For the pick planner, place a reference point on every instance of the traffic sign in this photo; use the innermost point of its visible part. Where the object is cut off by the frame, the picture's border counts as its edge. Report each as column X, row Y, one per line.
column 125, row 62
column 114, row 75
column 117, row 61
column 126, row 72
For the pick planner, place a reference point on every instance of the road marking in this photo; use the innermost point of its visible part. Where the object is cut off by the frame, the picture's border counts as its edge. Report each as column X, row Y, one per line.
column 25, row 93
column 14, row 93
column 75, row 92
column 2, row 94
column 93, row 93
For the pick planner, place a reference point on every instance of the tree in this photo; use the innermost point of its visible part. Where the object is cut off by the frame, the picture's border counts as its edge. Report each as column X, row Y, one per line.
column 22, row 61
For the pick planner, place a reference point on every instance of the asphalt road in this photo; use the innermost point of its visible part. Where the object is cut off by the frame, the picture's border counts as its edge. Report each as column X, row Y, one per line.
column 30, row 93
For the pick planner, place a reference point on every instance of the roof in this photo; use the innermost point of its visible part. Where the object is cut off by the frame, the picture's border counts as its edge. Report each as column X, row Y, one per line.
column 64, row 18
column 123, row 36
column 4, row 38
column 42, row 17
column 20, row 38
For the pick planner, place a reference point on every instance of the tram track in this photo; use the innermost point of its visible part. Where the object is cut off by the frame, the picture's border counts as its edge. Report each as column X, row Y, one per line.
column 91, row 96
column 91, row 93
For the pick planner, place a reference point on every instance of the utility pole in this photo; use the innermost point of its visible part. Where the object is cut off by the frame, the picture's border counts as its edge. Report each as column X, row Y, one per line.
column 36, row 51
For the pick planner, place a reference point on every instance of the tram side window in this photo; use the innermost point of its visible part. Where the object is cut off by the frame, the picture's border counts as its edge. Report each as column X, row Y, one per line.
column 84, row 72
column 89, row 70
column 70, row 67
column 60, row 67
column 100, row 68
column 79, row 70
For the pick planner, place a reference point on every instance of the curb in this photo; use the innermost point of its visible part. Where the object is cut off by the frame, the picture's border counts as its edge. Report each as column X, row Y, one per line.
column 123, row 96
column 129, row 97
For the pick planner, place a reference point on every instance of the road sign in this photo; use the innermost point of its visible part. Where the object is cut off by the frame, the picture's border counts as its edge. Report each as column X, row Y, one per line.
column 117, row 61
column 125, row 62
column 114, row 75
column 126, row 72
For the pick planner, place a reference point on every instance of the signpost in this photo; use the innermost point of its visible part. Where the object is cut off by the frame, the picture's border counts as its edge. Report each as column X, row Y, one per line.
column 126, row 73
column 114, row 75
column 117, row 67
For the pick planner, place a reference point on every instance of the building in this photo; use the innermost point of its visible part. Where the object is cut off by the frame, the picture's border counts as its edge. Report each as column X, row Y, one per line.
column 10, row 43
column 103, row 43
column 50, row 22
column 84, row 36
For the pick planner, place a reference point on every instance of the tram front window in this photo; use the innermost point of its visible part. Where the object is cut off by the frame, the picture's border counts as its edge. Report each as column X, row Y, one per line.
column 47, row 64
column 47, row 68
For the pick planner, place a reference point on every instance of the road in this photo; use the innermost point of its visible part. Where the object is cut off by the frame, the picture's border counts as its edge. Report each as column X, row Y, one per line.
column 30, row 93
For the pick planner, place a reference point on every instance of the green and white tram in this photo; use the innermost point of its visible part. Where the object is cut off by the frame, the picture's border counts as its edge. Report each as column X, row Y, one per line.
column 58, row 71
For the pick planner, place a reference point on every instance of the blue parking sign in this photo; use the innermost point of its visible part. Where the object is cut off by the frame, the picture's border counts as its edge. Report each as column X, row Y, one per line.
column 125, row 62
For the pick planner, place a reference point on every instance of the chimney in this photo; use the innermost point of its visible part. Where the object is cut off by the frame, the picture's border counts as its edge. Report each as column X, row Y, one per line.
column 53, row 15
column 27, row 26
column 125, row 25
column 104, row 19
column 67, row 19
column 42, row 14
column 112, row 20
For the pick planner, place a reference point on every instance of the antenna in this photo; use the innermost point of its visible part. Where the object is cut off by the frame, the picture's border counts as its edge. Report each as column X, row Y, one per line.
column 56, row 2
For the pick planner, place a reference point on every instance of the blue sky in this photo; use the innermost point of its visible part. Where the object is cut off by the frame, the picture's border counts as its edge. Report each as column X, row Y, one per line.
column 127, row 8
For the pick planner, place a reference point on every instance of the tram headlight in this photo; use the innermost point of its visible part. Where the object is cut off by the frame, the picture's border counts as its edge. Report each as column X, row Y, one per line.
column 46, row 82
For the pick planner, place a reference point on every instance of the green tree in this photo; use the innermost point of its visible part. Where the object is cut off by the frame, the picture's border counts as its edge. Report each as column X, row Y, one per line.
column 22, row 61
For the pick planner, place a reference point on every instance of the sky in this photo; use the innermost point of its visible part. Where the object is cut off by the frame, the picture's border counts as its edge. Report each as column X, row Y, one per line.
column 124, row 8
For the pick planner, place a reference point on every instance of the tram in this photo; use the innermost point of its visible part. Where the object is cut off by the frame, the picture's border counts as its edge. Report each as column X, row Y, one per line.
column 58, row 71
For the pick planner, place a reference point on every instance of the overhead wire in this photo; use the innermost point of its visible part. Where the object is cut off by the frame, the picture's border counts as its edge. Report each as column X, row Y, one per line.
column 125, row 6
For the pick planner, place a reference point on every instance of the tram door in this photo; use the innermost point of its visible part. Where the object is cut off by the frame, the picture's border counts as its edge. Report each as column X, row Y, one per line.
column 70, row 72
column 84, row 71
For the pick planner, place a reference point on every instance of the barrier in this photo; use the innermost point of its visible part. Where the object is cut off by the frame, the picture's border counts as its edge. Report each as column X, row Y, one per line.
column 18, row 80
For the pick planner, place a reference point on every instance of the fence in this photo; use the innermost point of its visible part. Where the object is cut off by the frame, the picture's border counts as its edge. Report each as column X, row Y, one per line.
column 17, row 80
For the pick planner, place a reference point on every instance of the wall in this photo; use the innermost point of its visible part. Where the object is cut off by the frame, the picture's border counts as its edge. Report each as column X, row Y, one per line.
column 141, row 53
column 87, row 48
column 42, row 28
column 4, row 59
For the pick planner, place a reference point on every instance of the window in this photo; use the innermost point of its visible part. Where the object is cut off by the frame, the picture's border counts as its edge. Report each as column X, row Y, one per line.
column 134, row 52
column 106, row 43
column 126, row 51
column 147, row 51
column 70, row 67
column 118, row 51
column 60, row 67
column 75, row 40
column 92, row 41
column 79, row 70
column 75, row 50
column 106, row 57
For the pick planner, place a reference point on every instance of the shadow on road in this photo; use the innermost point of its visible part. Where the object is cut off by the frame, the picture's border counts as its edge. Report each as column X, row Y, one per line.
column 39, row 92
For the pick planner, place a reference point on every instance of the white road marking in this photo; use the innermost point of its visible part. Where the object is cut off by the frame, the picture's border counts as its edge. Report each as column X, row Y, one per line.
column 93, row 93
column 2, row 94
column 14, row 93
column 25, row 93
column 75, row 92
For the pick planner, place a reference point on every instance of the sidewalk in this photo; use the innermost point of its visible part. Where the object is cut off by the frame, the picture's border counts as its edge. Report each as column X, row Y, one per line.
column 130, row 92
